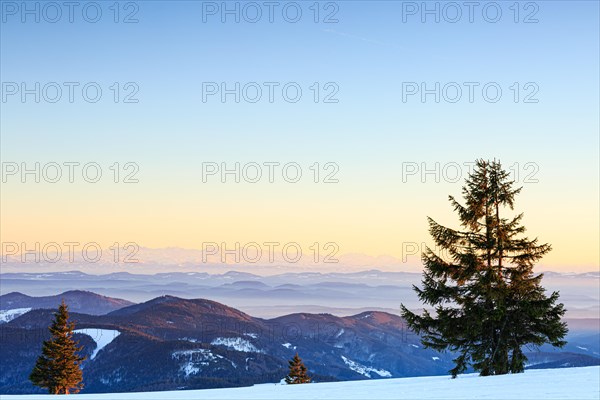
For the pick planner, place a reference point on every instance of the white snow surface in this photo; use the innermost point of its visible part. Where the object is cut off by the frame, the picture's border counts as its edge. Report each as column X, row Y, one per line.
column 236, row 343
column 546, row 384
column 102, row 337
column 9, row 315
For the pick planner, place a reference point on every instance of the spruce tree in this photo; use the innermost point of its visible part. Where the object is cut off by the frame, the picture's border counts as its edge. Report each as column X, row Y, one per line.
column 487, row 302
column 297, row 372
column 58, row 369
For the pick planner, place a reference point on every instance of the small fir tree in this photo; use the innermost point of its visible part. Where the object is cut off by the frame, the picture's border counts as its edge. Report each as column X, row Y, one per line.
column 297, row 372
column 58, row 369
column 488, row 303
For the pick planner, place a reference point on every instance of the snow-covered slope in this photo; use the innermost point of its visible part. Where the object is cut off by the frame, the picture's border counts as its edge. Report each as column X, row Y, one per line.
column 363, row 370
column 102, row 337
column 238, row 344
column 567, row 383
column 9, row 315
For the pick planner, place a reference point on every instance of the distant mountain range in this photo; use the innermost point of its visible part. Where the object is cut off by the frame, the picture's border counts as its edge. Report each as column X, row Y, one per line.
column 78, row 300
column 152, row 260
column 170, row 343
column 155, row 260
column 273, row 295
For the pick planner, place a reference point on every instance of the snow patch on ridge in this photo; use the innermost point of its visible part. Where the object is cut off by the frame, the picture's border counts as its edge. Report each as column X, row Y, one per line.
column 194, row 360
column 102, row 337
column 9, row 315
column 237, row 343
column 187, row 339
column 364, row 370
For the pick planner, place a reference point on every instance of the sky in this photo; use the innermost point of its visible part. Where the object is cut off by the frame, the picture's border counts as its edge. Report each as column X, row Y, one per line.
column 154, row 122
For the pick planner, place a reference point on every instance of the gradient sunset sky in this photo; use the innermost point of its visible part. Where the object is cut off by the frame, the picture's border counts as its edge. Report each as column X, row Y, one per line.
column 370, row 133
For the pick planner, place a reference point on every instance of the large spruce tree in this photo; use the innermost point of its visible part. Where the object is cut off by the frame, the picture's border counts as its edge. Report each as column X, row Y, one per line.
column 298, row 373
column 58, row 369
column 486, row 304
